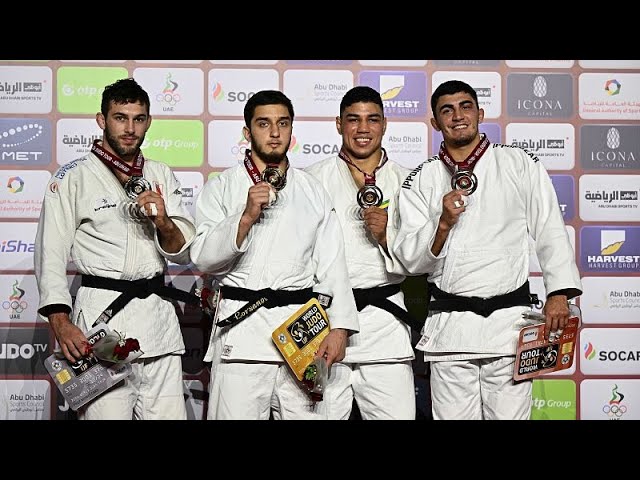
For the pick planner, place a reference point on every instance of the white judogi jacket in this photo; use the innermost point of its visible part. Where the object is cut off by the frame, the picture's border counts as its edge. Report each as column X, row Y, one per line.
column 487, row 252
column 382, row 336
column 296, row 244
column 85, row 218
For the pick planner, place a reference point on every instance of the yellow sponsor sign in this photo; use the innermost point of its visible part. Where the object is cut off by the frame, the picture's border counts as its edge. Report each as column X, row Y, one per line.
column 299, row 337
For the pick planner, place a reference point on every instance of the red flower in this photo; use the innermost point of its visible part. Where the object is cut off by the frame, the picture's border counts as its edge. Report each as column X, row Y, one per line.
column 120, row 352
column 115, row 347
column 204, row 296
column 131, row 345
column 124, row 348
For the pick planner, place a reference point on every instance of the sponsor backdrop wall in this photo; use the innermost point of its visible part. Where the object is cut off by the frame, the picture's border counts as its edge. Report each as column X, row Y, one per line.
column 580, row 117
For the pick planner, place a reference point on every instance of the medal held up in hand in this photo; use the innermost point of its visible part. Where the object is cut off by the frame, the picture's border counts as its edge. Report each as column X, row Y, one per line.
column 136, row 183
column 274, row 177
column 271, row 175
column 135, row 186
column 464, row 180
column 462, row 176
column 369, row 196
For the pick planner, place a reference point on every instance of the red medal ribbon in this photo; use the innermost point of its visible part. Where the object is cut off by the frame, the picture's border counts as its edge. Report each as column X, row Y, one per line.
column 112, row 160
column 369, row 178
column 253, row 171
column 470, row 162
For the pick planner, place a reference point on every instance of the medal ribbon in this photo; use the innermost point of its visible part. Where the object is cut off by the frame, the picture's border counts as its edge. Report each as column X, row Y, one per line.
column 111, row 159
column 253, row 171
column 470, row 162
column 369, row 179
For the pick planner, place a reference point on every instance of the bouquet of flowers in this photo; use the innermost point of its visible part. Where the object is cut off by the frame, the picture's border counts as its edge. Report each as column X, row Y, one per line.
column 115, row 348
column 315, row 378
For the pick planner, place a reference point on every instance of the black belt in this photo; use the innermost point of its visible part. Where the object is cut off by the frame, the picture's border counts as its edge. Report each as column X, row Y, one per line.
column 379, row 297
column 134, row 289
column 267, row 298
column 447, row 302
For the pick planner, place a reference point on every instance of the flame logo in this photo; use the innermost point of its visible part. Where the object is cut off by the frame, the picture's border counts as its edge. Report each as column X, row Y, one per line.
column 218, row 94
column 589, row 351
column 294, row 146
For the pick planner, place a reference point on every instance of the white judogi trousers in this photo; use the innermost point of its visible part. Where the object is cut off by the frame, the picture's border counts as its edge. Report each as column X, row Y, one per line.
column 154, row 391
column 479, row 389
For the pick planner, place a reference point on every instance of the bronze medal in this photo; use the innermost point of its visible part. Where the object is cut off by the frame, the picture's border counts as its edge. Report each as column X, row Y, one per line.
column 274, row 177
column 462, row 176
column 369, row 196
column 464, row 180
column 135, row 186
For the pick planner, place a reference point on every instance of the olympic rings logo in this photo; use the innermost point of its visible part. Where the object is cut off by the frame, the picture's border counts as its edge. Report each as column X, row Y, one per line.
column 15, row 305
column 168, row 97
column 615, row 410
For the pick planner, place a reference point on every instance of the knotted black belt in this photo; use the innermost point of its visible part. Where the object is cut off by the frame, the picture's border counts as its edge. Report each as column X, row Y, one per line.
column 134, row 289
column 267, row 298
column 379, row 297
column 447, row 302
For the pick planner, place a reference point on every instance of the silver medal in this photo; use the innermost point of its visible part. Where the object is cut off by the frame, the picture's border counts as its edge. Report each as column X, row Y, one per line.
column 135, row 186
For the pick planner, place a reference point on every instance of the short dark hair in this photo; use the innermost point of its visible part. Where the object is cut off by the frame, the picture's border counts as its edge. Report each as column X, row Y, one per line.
column 359, row 94
column 123, row 91
column 265, row 97
column 449, row 88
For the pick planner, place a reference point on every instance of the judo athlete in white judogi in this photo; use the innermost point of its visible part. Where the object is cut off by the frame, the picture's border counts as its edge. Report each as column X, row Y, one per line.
column 472, row 238
column 120, row 244
column 377, row 369
column 265, row 226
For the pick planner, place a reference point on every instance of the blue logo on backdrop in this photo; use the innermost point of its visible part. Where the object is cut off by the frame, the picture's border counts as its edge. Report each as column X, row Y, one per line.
column 25, row 141
column 404, row 94
column 610, row 249
column 564, row 186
